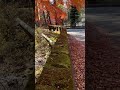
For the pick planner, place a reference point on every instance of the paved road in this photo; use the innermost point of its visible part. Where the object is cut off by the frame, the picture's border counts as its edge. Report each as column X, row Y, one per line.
column 105, row 17
column 79, row 34
column 102, row 55
column 108, row 19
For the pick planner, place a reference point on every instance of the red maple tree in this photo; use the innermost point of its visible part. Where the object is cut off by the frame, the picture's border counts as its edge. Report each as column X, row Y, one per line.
column 50, row 10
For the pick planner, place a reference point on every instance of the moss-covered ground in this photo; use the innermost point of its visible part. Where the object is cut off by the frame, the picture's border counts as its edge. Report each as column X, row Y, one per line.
column 57, row 72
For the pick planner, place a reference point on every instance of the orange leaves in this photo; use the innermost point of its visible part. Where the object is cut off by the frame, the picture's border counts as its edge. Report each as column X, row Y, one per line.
column 77, row 3
column 59, row 2
column 59, row 12
column 54, row 11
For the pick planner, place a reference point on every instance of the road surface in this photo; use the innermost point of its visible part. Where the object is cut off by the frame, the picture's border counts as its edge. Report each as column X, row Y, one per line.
column 102, row 49
column 108, row 20
column 105, row 17
column 79, row 34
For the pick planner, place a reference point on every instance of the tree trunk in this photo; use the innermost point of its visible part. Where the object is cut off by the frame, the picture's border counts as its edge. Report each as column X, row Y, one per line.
column 49, row 17
column 44, row 18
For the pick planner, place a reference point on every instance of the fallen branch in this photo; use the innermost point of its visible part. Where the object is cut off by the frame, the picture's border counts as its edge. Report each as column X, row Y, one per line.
column 25, row 26
column 48, row 39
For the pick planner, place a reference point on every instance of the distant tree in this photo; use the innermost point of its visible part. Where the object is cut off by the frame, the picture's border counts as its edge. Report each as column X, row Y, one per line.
column 74, row 16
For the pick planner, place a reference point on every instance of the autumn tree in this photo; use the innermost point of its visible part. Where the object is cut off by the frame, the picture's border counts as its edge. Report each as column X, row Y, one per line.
column 49, row 12
column 54, row 11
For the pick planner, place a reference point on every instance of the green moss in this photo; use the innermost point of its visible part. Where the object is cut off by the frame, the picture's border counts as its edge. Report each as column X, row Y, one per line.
column 57, row 73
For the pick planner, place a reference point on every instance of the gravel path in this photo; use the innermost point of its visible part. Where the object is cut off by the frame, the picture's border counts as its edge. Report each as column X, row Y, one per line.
column 77, row 53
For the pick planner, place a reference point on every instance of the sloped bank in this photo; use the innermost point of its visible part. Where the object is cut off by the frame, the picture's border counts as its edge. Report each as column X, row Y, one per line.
column 42, row 49
column 57, row 73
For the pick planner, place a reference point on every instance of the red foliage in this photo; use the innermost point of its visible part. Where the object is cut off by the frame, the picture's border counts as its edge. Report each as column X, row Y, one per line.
column 55, row 12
